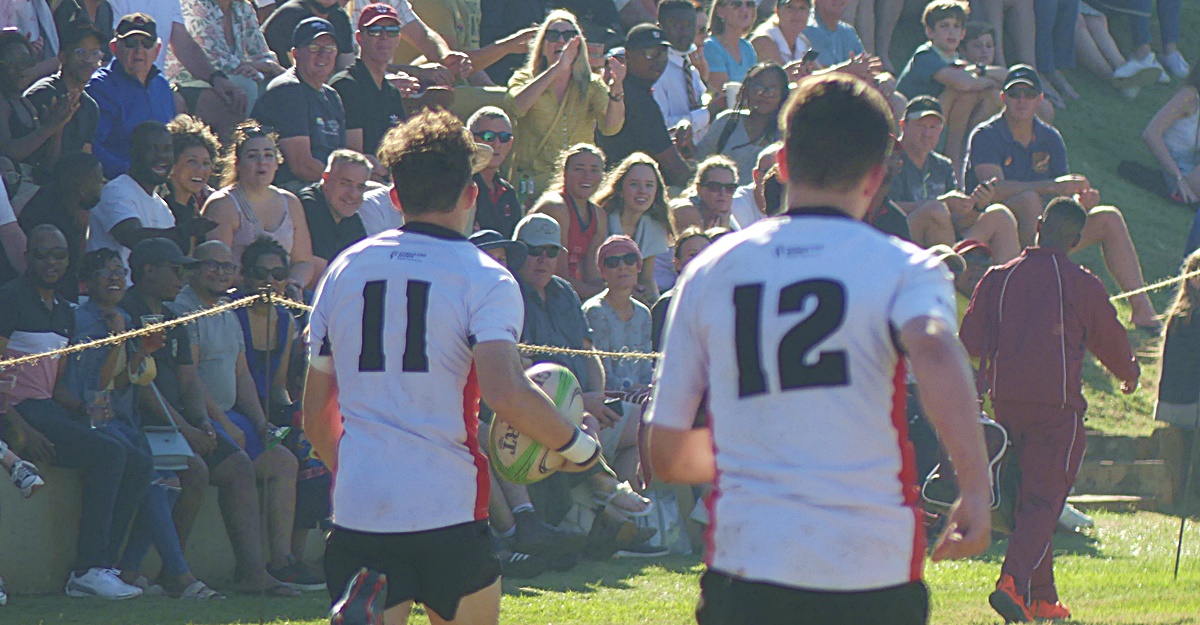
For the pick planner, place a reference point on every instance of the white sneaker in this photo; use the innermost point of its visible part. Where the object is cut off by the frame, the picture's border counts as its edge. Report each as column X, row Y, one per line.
column 1139, row 73
column 1074, row 520
column 1175, row 63
column 103, row 583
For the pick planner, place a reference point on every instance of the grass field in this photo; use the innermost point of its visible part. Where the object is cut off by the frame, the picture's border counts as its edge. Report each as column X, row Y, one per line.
column 1120, row 573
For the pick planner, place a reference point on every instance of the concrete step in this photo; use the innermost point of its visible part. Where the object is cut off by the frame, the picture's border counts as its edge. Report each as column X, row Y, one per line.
column 1145, row 478
column 1118, row 503
column 1110, row 447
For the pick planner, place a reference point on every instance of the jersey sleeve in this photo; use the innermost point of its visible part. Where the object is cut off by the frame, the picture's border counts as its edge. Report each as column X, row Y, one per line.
column 681, row 378
column 925, row 290
column 317, row 339
column 498, row 313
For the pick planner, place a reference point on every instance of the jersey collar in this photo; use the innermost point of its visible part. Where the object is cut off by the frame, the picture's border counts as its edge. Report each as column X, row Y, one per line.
column 433, row 230
column 816, row 211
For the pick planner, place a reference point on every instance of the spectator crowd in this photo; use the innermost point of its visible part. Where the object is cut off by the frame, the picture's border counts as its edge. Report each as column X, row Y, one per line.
column 160, row 157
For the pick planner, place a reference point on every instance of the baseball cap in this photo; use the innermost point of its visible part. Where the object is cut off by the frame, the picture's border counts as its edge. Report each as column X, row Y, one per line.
column 481, row 158
column 966, row 246
column 158, row 250
column 137, row 24
column 309, row 29
column 538, row 230
column 923, row 105
column 945, row 254
column 643, row 37
column 616, row 245
column 490, row 239
column 1022, row 74
column 378, row 11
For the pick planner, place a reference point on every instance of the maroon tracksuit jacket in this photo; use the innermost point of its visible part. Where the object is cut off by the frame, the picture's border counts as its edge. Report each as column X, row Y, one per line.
column 1030, row 322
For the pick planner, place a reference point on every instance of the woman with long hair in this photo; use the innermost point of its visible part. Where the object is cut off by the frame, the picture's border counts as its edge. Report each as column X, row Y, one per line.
column 708, row 201
column 1179, row 381
column 248, row 206
column 582, row 224
column 634, row 196
column 559, row 102
column 752, row 124
column 1173, row 136
column 728, row 53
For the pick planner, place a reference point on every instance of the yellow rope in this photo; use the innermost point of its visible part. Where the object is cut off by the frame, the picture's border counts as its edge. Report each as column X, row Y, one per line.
column 1154, row 287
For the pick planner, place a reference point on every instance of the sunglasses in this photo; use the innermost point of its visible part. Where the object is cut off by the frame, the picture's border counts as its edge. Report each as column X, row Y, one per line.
column 488, row 136
column 561, row 35
column 278, row 274
column 105, row 274
column 766, row 90
column 216, row 266
column 319, row 49
column 1022, row 93
column 549, row 251
column 47, row 253
column 614, row 261
column 145, row 43
column 391, row 30
column 718, row 187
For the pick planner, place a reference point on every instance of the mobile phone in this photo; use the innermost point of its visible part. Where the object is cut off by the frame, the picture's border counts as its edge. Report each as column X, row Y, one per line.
column 810, row 56
column 614, row 404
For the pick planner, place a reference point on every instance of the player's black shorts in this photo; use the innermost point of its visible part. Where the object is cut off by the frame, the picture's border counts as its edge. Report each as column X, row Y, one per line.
column 726, row 600
column 435, row 568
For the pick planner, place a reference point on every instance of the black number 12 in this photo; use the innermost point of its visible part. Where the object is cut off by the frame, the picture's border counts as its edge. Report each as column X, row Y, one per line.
column 831, row 367
column 371, row 357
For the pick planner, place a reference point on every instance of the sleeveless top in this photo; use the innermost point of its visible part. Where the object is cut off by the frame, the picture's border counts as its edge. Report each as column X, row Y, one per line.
column 788, row 50
column 259, row 360
column 250, row 229
column 1182, row 139
column 578, row 239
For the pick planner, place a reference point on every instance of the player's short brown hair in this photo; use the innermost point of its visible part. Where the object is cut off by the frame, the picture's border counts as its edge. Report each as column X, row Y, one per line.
column 837, row 128
column 430, row 159
column 939, row 10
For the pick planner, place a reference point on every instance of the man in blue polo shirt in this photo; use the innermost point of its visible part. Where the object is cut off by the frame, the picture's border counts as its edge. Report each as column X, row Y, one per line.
column 129, row 90
column 1028, row 159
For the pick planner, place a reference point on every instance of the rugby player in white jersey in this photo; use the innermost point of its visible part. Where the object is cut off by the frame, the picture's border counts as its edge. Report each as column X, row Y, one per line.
column 796, row 331
column 392, row 396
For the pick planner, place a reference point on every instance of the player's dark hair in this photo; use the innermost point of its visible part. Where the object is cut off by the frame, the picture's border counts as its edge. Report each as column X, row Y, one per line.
column 96, row 260
column 1061, row 223
column 262, row 246
column 430, row 159
column 837, row 128
column 939, row 10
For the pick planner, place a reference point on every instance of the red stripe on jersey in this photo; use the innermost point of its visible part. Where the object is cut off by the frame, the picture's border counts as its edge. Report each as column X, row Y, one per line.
column 471, row 424
column 908, row 469
column 710, row 502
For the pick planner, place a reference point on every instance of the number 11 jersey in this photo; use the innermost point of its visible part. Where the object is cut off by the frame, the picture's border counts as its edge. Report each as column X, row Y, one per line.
column 399, row 314
column 790, row 327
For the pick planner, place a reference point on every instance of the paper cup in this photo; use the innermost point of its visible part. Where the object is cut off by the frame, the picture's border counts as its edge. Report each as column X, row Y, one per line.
column 732, row 89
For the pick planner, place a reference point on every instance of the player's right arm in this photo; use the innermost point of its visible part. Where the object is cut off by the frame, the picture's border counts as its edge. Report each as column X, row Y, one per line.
column 506, row 389
column 322, row 419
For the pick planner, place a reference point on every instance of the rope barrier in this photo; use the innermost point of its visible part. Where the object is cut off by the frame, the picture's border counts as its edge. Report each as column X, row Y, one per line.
column 250, row 300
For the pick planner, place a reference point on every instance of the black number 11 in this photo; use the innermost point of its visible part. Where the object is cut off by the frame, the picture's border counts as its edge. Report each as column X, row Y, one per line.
column 415, row 358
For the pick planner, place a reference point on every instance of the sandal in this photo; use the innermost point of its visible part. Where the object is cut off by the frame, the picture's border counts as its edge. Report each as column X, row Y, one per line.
column 149, row 589
column 199, row 590
column 625, row 491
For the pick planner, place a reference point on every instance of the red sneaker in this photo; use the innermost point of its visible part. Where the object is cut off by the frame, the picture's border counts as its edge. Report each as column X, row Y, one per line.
column 1049, row 611
column 1009, row 603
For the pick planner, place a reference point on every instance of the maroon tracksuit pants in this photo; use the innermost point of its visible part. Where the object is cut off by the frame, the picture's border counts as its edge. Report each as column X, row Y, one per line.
column 1047, row 442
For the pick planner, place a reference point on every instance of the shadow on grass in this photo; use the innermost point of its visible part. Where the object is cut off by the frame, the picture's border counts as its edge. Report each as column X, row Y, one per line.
column 590, row 576
column 59, row 610
column 1065, row 544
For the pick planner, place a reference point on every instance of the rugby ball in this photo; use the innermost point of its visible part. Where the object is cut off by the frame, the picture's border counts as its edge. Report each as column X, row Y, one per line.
column 515, row 456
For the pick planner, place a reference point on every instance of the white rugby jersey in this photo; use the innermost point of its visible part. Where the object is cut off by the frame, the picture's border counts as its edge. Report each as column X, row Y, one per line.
column 399, row 313
column 789, row 327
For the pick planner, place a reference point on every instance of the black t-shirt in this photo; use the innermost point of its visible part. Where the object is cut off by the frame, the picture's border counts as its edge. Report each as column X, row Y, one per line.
column 644, row 129
column 329, row 238
column 176, row 352
column 295, row 109
column 279, row 27
column 47, row 207
column 78, row 132
column 497, row 209
column 24, row 311
column 373, row 109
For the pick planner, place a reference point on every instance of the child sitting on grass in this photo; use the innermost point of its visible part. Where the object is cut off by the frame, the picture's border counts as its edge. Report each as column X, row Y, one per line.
column 969, row 93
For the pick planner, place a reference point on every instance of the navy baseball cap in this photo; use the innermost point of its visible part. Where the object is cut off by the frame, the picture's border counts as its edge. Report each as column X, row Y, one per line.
column 158, row 250
column 490, row 239
column 644, row 37
column 1022, row 75
column 309, row 29
column 923, row 105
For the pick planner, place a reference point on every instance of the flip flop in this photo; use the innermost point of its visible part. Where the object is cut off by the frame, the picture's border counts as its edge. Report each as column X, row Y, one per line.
column 200, row 591
column 623, row 490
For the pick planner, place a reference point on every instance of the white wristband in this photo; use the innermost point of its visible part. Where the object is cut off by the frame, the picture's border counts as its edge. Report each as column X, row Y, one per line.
column 581, row 449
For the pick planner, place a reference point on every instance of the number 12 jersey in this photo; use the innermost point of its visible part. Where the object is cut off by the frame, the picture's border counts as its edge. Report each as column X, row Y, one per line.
column 790, row 328
column 399, row 313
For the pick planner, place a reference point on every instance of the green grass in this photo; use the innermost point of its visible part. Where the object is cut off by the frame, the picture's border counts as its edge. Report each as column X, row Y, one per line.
column 1118, row 573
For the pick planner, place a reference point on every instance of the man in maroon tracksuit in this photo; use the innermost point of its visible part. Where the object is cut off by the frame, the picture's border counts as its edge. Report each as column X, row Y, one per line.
column 1029, row 322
